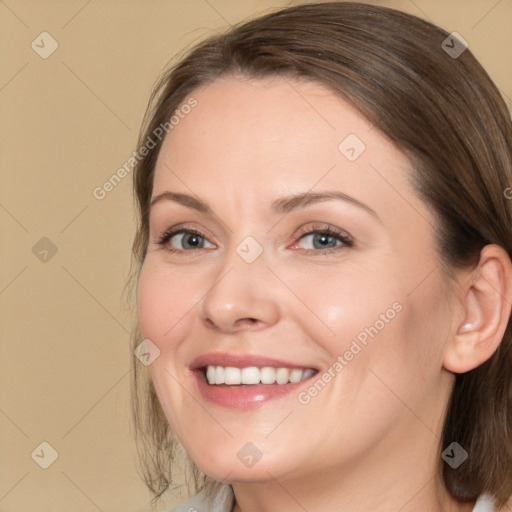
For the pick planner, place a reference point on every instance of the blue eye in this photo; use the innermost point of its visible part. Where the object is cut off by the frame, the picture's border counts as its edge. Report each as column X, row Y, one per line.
column 317, row 239
column 325, row 239
column 183, row 240
column 321, row 240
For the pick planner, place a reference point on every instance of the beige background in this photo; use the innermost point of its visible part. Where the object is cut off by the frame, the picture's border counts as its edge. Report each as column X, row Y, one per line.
column 68, row 123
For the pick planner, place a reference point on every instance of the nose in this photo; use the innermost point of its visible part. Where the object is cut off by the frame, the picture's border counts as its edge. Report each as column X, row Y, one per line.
column 242, row 297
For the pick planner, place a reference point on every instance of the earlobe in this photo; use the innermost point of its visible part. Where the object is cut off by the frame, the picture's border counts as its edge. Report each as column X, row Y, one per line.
column 466, row 327
column 486, row 299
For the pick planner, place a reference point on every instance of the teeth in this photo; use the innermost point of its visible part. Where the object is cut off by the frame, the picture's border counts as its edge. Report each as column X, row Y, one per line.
column 308, row 373
column 251, row 375
column 232, row 376
column 219, row 375
column 210, row 374
column 296, row 375
column 267, row 375
column 282, row 375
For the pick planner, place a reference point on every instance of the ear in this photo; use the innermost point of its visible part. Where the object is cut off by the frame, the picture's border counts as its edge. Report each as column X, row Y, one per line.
column 486, row 298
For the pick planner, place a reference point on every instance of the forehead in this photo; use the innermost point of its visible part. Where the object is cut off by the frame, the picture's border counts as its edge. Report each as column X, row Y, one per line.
column 265, row 137
column 267, row 121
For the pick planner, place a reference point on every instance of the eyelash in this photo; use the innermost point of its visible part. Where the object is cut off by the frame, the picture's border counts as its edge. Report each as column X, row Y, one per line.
column 164, row 239
column 322, row 229
column 318, row 229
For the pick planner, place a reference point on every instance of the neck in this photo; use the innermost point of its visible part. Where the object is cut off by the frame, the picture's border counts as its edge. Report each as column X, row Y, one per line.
column 392, row 476
column 289, row 497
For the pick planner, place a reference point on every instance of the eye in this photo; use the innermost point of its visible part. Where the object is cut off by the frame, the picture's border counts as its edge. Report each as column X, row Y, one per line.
column 324, row 239
column 184, row 240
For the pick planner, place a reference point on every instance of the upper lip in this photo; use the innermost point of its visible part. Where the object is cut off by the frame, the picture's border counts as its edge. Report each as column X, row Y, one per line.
column 243, row 361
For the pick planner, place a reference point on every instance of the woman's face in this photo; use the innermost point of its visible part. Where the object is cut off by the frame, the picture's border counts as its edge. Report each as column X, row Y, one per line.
column 298, row 243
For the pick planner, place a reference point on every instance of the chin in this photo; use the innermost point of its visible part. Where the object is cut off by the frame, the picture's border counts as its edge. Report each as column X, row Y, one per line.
column 242, row 462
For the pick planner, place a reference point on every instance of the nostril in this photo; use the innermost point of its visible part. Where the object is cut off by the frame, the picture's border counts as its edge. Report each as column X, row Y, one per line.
column 210, row 324
column 247, row 322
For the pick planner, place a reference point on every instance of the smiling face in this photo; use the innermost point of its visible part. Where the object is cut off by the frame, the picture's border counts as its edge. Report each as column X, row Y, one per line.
column 294, row 240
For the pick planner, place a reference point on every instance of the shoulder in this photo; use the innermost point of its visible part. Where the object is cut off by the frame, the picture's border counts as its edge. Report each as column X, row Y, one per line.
column 222, row 502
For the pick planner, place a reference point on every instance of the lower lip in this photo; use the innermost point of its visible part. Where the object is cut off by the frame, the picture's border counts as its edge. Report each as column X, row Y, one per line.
column 243, row 396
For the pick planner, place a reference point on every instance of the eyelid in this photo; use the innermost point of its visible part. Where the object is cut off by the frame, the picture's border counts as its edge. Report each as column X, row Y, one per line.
column 324, row 228
column 164, row 238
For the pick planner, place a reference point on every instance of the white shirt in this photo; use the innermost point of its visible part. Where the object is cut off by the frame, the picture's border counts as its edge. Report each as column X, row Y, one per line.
column 223, row 503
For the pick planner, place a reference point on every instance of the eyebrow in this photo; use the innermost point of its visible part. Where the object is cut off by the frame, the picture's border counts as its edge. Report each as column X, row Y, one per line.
column 184, row 199
column 282, row 205
column 290, row 203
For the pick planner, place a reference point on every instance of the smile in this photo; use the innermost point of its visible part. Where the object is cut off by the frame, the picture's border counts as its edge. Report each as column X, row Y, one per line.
column 252, row 375
column 245, row 381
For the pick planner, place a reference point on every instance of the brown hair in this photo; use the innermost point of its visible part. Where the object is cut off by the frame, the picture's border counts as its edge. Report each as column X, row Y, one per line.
column 445, row 113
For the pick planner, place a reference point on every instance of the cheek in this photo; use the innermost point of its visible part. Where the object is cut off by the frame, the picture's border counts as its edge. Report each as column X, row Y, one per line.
column 162, row 307
column 344, row 304
column 162, row 301
column 381, row 331
column 151, row 302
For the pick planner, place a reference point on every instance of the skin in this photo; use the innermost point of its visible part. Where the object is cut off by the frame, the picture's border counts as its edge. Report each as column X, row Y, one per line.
column 369, row 440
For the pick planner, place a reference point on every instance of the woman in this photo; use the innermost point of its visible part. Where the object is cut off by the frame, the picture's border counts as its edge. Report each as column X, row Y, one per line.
column 324, row 280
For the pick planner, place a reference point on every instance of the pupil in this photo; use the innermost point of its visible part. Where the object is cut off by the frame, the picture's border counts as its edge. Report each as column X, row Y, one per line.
column 192, row 240
column 326, row 240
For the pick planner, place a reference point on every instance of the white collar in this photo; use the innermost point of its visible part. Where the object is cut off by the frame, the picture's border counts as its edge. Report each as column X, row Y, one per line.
column 484, row 503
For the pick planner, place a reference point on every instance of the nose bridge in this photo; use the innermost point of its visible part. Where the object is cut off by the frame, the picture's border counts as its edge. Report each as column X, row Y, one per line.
column 241, row 293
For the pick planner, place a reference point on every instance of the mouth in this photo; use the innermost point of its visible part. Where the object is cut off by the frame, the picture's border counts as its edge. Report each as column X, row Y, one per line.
column 244, row 382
